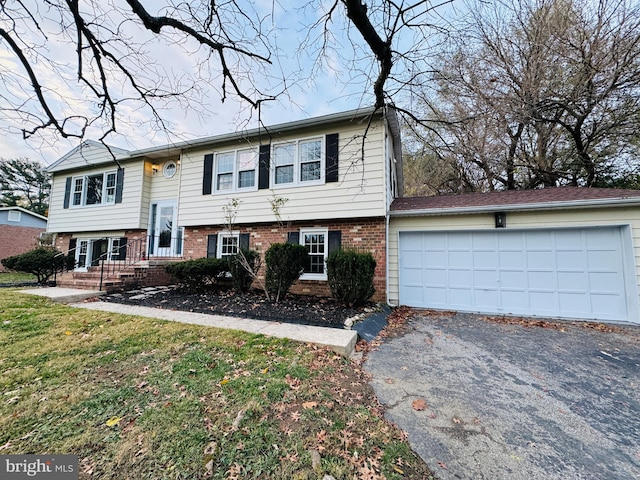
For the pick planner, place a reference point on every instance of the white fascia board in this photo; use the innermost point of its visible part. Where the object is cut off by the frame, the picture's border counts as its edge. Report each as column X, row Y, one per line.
column 598, row 203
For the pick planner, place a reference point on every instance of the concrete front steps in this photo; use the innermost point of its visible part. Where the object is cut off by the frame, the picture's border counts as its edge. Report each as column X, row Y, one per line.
column 128, row 278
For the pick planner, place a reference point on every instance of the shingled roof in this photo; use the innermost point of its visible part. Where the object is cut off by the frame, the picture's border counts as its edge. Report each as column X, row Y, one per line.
column 547, row 198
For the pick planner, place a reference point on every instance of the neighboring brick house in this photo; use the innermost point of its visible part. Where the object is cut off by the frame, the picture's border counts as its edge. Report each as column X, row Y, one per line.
column 20, row 231
column 337, row 174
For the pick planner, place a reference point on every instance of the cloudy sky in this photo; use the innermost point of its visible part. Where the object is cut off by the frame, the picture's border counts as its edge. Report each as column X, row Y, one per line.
column 308, row 87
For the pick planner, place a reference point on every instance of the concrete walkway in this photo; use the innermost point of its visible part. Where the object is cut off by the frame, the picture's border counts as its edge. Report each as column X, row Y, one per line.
column 340, row 341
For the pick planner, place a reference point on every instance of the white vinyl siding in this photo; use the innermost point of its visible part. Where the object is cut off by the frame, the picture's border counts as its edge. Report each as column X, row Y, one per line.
column 125, row 215
column 626, row 219
column 359, row 192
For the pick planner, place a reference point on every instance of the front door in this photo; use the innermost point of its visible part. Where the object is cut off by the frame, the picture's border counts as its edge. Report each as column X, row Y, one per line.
column 164, row 232
column 98, row 250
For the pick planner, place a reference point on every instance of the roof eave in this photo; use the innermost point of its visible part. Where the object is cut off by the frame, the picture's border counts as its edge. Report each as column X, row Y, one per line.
column 562, row 205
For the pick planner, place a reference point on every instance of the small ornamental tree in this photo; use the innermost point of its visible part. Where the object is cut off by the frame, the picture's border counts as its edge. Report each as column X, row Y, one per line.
column 350, row 276
column 42, row 262
column 285, row 263
column 242, row 267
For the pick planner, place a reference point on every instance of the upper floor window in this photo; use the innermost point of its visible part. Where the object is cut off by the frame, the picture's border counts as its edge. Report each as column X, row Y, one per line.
column 236, row 170
column 94, row 189
column 298, row 162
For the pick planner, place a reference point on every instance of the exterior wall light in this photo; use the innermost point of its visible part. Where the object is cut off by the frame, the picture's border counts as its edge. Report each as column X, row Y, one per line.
column 501, row 219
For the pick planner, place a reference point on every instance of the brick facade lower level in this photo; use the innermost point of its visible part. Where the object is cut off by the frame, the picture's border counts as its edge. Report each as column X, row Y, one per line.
column 364, row 234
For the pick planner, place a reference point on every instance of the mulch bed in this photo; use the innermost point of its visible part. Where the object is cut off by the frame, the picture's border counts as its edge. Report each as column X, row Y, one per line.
column 299, row 309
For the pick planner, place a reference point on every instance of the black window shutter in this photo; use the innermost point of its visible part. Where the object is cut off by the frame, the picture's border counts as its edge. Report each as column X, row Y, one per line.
column 293, row 237
column 212, row 245
column 207, row 180
column 119, row 184
column 72, row 245
column 122, row 251
column 335, row 240
column 67, row 192
column 244, row 241
column 331, row 160
column 263, row 166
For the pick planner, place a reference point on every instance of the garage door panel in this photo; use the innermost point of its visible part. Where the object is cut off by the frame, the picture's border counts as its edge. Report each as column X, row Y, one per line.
column 515, row 301
column 541, row 259
column 601, row 259
column 513, row 279
column 513, row 241
column 542, row 280
column 461, row 278
column 571, row 260
column 486, row 278
column 436, row 276
column 544, row 302
column 485, row 259
column 513, row 259
column 486, row 298
column 572, row 281
column 553, row 272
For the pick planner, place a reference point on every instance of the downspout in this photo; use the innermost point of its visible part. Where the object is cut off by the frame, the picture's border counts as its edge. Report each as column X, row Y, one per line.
column 386, row 256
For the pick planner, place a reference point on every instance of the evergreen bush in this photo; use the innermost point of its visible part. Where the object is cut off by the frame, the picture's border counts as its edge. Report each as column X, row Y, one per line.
column 198, row 274
column 350, row 275
column 42, row 262
column 285, row 263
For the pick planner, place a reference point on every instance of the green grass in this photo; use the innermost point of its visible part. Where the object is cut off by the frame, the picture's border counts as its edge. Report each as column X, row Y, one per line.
column 16, row 277
column 142, row 398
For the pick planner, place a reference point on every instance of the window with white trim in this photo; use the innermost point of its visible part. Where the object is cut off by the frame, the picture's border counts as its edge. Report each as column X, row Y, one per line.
column 228, row 244
column 317, row 243
column 94, row 189
column 298, row 162
column 236, row 170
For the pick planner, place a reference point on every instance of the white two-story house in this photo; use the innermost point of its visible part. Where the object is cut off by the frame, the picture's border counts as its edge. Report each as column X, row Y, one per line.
column 323, row 182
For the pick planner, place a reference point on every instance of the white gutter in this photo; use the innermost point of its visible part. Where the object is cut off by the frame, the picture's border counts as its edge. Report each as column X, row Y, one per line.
column 568, row 204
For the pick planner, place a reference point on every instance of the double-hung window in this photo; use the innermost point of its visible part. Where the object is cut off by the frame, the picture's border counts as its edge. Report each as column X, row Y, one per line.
column 236, row 170
column 297, row 163
column 316, row 241
column 228, row 244
column 94, row 189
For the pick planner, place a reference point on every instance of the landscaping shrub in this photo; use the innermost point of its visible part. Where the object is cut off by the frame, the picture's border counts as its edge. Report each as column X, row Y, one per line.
column 198, row 274
column 285, row 263
column 42, row 262
column 350, row 275
column 243, row 267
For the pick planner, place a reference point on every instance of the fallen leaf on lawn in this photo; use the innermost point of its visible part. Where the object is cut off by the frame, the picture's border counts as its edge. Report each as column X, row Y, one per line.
column 266, row 370
column 224, row 381
column 68, row 333
column 399, row 470
column 419, row 404
column 113, row 421
column 309, row 405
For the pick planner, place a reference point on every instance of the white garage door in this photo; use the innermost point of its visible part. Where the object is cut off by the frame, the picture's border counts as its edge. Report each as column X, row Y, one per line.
column 572, row 273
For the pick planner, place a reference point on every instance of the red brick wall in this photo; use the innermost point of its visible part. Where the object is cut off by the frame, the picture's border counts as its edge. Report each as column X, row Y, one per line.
column 365, row 234
column 15, row 240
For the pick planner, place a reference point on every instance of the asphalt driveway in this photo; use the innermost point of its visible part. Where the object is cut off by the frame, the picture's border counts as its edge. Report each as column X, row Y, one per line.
column 486, row 400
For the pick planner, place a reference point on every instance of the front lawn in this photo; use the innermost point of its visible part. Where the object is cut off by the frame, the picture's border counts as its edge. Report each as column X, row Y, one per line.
column 139, row 398
column 16, row 278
